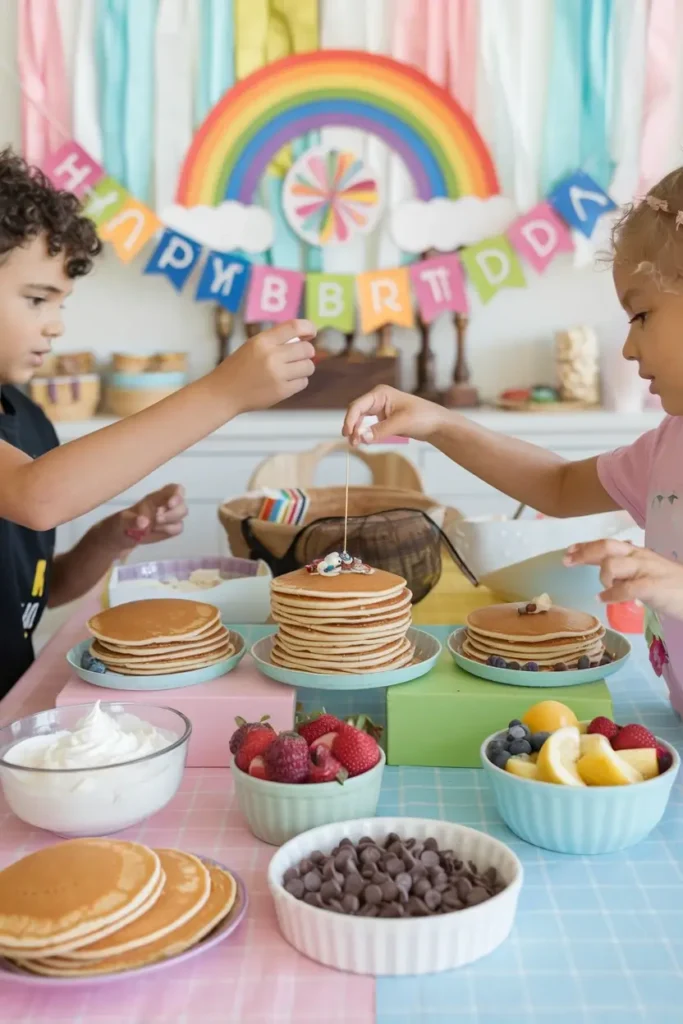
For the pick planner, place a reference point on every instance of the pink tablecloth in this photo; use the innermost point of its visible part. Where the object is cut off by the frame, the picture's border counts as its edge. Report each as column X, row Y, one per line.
column 253, row 977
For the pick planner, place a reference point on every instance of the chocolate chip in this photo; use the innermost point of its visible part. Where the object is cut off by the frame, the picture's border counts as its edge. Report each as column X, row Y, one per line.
column 354, row 885
column 312, row 881
column 346, row 854
column 314, row 899
column 390, row 910
column 295, row 887
column 289, row 874
column 431, row 844
column 408, row 860
column 433, row 899
column 429, row 858
column 369, row 910
column 391, row 838
column 476, row 895
column 394, row 866
column 350, row 903
column 348, row 843
column 318, row 857
column 379, row 878
column 372, row 894
column 331, row 890
column 336, row 906
column 366, row 841
column 370, row 855
column 330, row 872
column 451, row 900
column 389, row 891
column 463, row 887
column 491, row 877
column 419, row 871
column 417, row 907
column 404, row 881
column 350, row 868
column 368, row 871
column 422, row 886
column 306, row 866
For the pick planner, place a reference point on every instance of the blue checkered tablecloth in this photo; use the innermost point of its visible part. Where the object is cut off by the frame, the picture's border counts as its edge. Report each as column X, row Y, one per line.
column 598, row 940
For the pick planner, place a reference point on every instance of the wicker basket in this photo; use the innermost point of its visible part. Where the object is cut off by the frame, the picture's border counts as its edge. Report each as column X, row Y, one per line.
column 238, row 516
column 67, row 398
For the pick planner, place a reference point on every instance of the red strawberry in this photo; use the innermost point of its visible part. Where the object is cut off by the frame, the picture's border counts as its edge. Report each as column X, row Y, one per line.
column 664, row 759
column 257, row 740
column 316, row 726
column 324, row 767
column 325, row 741
column 287, row 758
column 633, row 737
column 239, row 734
column 356, row 750
column 257, row 768
column 602, row 726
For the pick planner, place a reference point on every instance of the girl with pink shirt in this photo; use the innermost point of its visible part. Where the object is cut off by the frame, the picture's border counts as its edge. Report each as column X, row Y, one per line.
column 645, row 478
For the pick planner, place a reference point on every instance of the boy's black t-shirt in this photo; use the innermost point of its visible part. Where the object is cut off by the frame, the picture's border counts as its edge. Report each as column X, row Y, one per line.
column 25, row 555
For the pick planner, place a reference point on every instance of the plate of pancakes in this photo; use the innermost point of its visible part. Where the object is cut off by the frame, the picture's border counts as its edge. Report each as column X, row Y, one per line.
column 95, row 910
column 344, row 632
column 523, row 645
column 156, row 644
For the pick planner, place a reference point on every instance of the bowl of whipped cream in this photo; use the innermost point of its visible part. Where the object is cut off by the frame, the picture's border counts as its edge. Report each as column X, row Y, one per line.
column 93, row 769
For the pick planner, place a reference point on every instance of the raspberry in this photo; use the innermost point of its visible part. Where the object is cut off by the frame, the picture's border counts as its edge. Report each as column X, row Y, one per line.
column 664, row 759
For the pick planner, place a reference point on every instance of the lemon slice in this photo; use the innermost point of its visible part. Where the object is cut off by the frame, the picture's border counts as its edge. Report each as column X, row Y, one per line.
column 603, row 766
column 591, row 743
column 558, row 756
column 644, row 761
column 523, row 766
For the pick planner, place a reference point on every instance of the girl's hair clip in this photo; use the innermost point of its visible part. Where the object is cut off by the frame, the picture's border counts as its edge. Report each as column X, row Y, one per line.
column 657, row 204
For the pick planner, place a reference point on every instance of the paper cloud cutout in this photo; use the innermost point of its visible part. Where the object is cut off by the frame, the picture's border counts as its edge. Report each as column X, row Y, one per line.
column 446, row 224
column 230, row 225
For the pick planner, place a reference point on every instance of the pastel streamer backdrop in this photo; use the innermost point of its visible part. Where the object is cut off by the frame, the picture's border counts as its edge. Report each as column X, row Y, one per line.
column 176, row 30
column 45, row 112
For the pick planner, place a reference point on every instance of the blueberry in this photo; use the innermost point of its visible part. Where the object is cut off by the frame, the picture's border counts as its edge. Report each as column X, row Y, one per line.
column 584, row 662
column 495, row 747
column 514, row 665
column 495, row 661
column 606, row 659
column 531, row 666
column 517, row 732
column 519, row 747
column 537, row 740
column 91, row 664
column 515, row 721
column 501, row 759
column 560, row 667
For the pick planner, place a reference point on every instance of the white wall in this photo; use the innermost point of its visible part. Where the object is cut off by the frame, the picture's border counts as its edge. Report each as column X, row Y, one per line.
column 118, row 309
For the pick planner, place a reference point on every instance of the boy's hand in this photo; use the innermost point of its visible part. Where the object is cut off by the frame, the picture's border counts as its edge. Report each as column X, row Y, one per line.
column 270, row 367
column 158, row 516
column 399, row 415
column 629, row 573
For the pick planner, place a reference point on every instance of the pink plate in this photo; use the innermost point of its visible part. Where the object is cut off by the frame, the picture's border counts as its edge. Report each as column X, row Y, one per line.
column 10, row 973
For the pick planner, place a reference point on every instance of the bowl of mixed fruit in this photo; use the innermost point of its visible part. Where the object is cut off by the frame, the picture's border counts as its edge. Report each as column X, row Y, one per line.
column 323, row 771
column 578, row 787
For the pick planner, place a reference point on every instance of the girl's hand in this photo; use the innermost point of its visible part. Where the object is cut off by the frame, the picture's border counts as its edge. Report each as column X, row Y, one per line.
column 156, row 517
column 629, row 573
column 399, row 415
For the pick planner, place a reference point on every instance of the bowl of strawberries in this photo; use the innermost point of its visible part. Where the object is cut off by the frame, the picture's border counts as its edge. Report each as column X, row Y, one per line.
column 323, row 771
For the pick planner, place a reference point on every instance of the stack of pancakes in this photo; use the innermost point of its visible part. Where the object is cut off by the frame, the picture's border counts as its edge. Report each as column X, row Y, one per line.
column 164, row 635
column 350, row 623
column 100, row 906
column 553, row 640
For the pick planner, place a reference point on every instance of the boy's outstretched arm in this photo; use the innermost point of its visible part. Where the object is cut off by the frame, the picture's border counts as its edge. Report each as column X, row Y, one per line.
column 77, row 477
column 530, row 474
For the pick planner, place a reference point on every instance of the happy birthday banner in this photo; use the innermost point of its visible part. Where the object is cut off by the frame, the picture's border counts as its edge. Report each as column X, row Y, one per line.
column 272, row 294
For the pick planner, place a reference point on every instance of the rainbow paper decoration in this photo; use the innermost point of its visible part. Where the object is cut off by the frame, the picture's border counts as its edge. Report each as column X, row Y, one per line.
column 329, row 196
column 416, row 118
column 287, row 505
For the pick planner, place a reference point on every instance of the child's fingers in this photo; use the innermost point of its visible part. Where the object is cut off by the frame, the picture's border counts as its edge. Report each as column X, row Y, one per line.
column 595, row 552
column 370, row 404
column 623, row 590
column 620, row 568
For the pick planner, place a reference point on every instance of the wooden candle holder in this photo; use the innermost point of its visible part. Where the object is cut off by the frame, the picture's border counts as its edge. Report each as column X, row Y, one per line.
column 461, row 394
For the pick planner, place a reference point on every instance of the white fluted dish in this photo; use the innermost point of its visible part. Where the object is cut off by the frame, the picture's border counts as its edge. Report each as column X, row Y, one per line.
column 398, row 946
